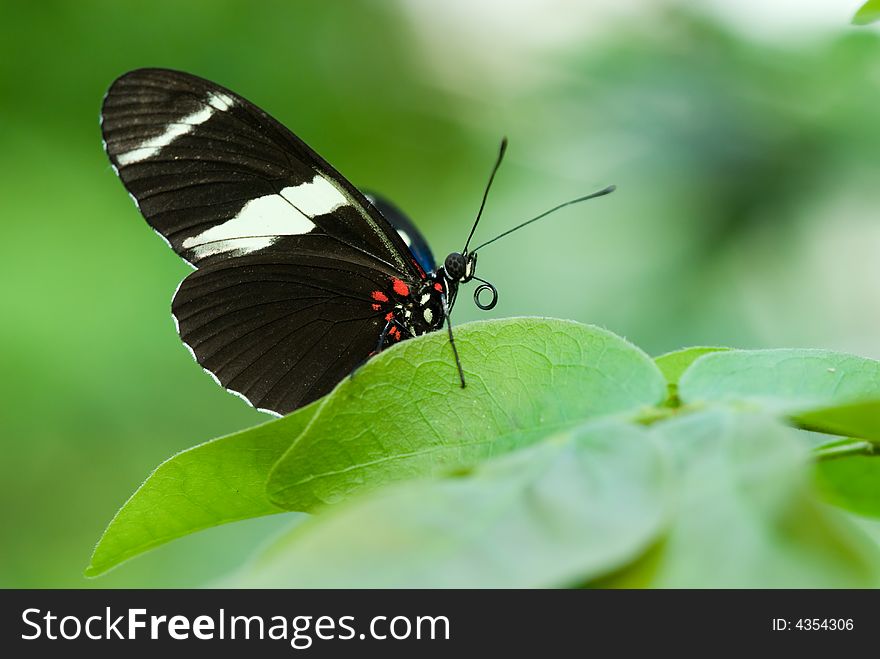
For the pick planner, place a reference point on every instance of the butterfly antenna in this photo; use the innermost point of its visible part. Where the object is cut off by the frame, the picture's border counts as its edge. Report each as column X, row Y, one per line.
column 501, row 152
column 600, row 193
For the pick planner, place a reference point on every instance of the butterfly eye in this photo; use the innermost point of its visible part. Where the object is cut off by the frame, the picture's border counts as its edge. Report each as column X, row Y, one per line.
column 455, row 266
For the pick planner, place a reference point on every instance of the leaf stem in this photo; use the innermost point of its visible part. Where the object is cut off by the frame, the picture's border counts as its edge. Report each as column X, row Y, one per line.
column 834, row 451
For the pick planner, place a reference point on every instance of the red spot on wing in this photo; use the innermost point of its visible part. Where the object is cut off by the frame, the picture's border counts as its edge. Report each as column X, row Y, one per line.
column 400, row 288
column 389, row 316
column 438, row 287
column 380, row 296
column 395, row 332
column 376, row 307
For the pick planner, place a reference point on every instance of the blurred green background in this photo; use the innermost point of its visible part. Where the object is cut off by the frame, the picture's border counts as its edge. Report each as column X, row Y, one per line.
column 744, row 140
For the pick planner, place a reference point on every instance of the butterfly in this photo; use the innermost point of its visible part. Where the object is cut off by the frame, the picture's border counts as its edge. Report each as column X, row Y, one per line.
column 299, row 277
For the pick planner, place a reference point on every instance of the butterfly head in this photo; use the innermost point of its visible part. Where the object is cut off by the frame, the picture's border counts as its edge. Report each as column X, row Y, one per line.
column 460, row 267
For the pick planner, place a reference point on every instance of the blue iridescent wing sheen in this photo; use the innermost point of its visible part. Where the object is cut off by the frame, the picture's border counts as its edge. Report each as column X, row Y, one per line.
column 407, row 230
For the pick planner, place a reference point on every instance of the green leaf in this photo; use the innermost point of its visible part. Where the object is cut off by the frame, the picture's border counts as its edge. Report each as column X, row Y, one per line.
column 783, row 381
column 869, row 13
column 747, row 516
column 851, row 482
column 220, row 481
column 405, row 415
column 566, row 509
column 674, row 364
column 860, row 419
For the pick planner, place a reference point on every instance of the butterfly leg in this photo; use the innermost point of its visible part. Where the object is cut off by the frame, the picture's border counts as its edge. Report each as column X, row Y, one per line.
column 452, row 342
column 379, row 347
column 391, row 323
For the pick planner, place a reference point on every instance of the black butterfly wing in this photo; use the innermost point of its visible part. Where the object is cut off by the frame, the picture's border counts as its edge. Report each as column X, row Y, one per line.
column 217, row 177
column 288, row 253
column 280, row 328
